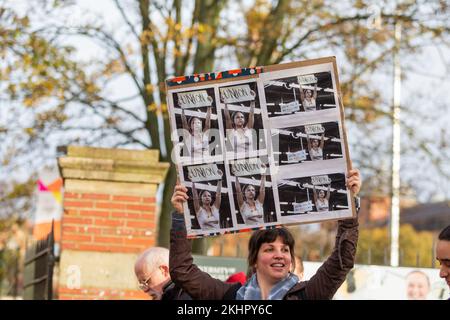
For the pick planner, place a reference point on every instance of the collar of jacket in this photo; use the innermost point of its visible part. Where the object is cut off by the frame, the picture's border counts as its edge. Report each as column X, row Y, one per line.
column 169, row 285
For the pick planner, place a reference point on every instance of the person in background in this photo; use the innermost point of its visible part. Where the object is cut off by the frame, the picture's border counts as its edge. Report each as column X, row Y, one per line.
column 443, row 254
column 417, row 285
column 299, row 268
column 237, row 277
column 152, row 271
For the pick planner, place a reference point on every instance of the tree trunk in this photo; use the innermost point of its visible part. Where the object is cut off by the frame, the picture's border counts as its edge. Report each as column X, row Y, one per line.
column 203, row 62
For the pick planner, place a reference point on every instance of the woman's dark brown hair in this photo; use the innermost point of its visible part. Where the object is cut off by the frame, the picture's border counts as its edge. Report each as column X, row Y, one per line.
column 268, row 236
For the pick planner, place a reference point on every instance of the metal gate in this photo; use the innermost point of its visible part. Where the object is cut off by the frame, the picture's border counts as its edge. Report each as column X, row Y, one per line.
column 38, row 271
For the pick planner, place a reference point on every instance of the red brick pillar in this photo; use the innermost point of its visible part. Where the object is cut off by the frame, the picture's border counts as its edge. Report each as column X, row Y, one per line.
column 110, row 216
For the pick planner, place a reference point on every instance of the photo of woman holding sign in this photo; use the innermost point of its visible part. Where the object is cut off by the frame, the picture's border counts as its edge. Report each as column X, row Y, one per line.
column 198, row 140
column 250, row 206
column 310, row 142
column 206, row 211
column 298, row 93
column 315, row 148
column 308, row 98
column 322, row 202
column 240, row 132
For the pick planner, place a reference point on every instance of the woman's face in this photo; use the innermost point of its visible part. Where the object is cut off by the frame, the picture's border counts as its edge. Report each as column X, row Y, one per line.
column 206, row 198
column 274, row 260
column 239, row 119
column 250, row 192
column 417, row 286
column 315, row 143
column 308, row 93
column 321, row 194
column 196, row 125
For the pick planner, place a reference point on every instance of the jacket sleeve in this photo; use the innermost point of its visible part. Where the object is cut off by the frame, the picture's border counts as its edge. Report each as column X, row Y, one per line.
column 198, row 284
column 330, row 276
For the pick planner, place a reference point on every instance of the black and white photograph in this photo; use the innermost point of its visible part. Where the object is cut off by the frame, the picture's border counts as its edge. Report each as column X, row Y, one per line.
column 242, row 119
column 299, row 94
column 208, row 204
column 252, row 190
column 312, row 142
column 197, row 124
column 315, row 194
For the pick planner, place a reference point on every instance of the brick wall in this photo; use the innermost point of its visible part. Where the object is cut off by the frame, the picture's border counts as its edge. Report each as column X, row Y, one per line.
column 110, row 216
column 109, row 223
column 101, row 294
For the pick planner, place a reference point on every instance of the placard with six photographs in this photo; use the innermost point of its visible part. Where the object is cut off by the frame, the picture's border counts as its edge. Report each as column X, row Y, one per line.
column 261, row 147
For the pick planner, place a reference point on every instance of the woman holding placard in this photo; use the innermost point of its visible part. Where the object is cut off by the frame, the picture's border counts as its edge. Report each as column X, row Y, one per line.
column 239, row 133
column 251, row 210
column 308, row 98
column 208, row 216
column 271, row 261
column 198, row 139
column 322, row 201
column 315, row 147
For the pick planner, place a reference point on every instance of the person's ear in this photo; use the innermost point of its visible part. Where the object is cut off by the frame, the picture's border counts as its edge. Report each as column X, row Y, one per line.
column 165, row 270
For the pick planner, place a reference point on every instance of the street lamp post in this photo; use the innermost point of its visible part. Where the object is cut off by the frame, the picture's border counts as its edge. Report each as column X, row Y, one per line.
column 395, row 198
column 375, row 21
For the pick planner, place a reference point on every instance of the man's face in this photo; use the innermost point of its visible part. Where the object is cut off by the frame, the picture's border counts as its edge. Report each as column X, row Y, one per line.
column 443, row 256
column 153, row 282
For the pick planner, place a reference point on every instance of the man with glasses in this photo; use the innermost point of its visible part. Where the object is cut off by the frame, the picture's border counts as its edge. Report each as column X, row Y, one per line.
column 152, row 271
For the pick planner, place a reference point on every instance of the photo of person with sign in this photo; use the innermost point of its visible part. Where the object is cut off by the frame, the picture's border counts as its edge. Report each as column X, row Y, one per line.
column 241, row 115
column 321, row 200
column 207, row 210
column 196, row 122
column 253, row 205
column 308, row 98
column 240, row 131
column 310, row 142
column 312, row 194
column 295, row 93
column 315, row 147
column 198, row 140
column 250, row 205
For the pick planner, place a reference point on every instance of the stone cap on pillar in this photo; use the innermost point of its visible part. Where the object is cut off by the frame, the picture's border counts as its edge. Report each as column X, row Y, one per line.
column 110, row 164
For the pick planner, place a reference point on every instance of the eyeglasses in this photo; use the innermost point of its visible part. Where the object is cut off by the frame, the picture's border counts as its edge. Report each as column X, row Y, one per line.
column 144, row 285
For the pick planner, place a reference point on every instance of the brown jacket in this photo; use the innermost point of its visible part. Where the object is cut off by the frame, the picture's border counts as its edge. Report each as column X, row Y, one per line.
column 323, row 285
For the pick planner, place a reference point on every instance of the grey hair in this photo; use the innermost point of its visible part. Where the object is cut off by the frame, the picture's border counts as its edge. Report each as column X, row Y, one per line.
column 154, row 257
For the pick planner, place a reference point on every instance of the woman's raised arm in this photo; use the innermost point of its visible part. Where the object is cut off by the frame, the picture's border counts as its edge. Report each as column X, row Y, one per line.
column 239, row 196
column 208, row 120
column 251, row 116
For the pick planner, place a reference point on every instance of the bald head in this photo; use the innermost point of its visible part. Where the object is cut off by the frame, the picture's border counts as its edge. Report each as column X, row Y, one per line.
column 152, row 270
column 152, row 258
